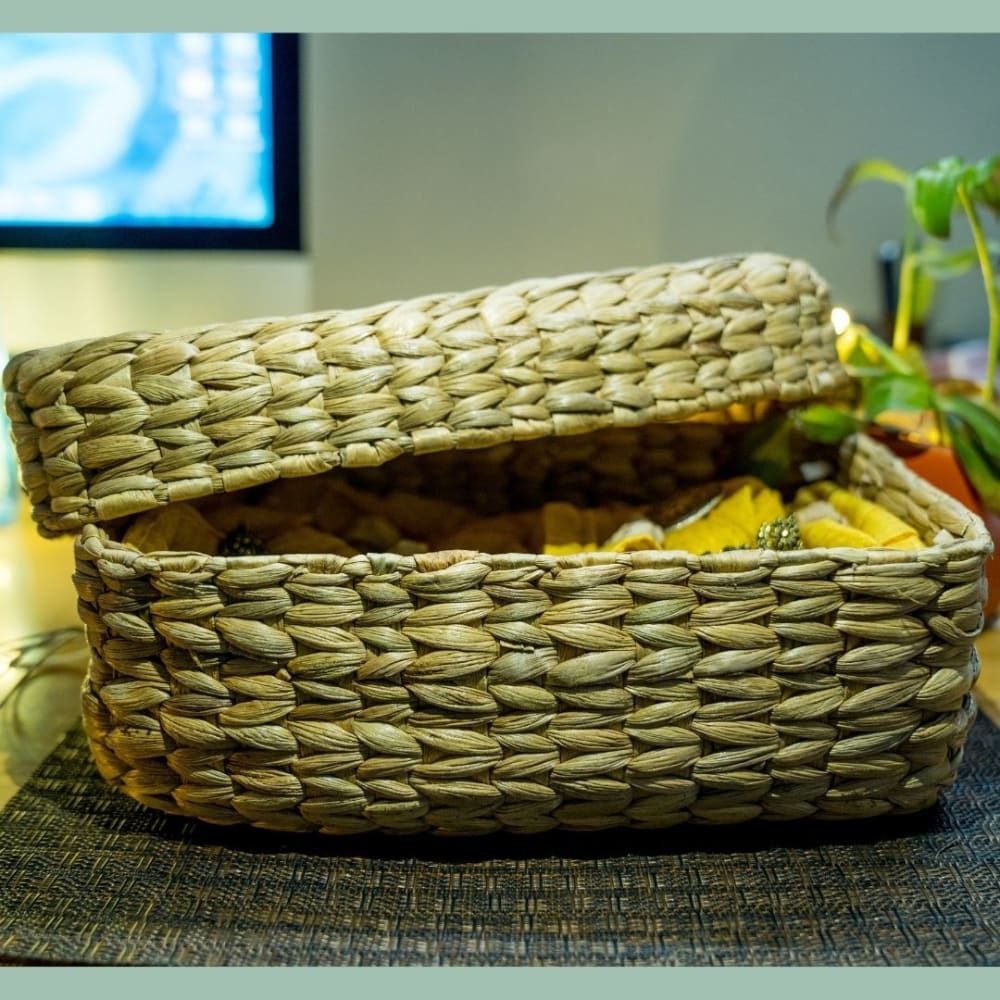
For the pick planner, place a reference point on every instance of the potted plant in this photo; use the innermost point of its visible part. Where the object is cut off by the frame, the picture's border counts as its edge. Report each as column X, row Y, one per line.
column 947, row 432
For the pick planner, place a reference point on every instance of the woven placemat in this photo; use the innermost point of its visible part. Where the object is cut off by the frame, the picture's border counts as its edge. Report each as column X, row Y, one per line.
column 89, row 876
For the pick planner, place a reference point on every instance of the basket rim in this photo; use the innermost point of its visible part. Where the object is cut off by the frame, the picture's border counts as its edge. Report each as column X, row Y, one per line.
column 975, row 541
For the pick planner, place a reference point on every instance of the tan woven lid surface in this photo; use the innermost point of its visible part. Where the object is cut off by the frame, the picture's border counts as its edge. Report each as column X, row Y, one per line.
column 110, row 427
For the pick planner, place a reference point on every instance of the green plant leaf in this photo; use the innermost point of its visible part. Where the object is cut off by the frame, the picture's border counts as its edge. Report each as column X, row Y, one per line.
column 913, row 359
column 932, row 194
column 983, row 183
column 857, row 361
column 856, row 173
column 871, row 352
column 766, row 451
column 973, row 462
column 826, row 424
column 863, row 373
column 982, row 421
column 866, row 356
column 896, row 391
column 940, row 265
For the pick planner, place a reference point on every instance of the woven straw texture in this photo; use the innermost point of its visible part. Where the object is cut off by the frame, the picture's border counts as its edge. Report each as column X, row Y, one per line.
column 112, row 427
column 465, row 693
column 87, row 876
column 460, row 692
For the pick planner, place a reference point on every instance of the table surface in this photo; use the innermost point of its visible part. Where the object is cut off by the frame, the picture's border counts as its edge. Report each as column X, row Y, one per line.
column 37, row 595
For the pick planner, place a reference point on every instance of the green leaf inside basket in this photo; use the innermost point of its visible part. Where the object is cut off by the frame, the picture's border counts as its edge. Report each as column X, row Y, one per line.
column 766, row 451
column 895, row 391
column 826, row 424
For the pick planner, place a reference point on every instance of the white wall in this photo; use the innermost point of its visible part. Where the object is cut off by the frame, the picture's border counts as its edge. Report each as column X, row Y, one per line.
column 53, row 297
column 448, row 162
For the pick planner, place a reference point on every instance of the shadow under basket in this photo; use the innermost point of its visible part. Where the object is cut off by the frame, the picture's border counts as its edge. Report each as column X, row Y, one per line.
column 458, row 691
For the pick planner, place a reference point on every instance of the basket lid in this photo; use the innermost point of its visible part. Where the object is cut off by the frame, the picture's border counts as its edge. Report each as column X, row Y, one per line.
column 110, row 427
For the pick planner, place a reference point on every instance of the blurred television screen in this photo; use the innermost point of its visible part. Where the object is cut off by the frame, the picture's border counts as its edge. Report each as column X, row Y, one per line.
column 137, row 131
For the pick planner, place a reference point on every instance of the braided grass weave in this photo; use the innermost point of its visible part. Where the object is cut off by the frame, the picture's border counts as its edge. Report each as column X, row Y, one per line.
column 111, row 427
column 460, row 692
column 463, row 693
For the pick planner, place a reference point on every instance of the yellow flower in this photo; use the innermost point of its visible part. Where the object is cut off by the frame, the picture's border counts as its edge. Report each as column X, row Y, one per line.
column 884, row 528
column 733, row 522
column 633, row 543
column 825, row 533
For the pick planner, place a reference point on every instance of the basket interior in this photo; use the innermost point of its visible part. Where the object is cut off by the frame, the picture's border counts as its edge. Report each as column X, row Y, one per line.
column 487, row 500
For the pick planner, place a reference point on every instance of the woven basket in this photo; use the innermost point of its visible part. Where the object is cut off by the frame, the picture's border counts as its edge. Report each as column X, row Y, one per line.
column 461, row 692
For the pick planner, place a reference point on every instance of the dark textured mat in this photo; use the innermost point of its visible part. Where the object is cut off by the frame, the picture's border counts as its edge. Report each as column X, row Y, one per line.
column 88, row 876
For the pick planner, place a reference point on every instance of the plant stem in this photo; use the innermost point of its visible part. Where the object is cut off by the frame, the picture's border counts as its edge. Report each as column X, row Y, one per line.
column 904, row 298
column 992, row 299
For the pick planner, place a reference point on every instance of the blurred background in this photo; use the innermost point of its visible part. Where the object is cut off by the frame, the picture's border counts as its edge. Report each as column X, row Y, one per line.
column 437, row 163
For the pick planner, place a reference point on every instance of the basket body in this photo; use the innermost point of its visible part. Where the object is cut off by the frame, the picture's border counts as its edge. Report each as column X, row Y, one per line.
column 460, row 692
column 463, row 693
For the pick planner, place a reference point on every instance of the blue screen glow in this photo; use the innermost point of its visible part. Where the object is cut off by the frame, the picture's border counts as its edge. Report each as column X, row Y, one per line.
column 136, row 130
